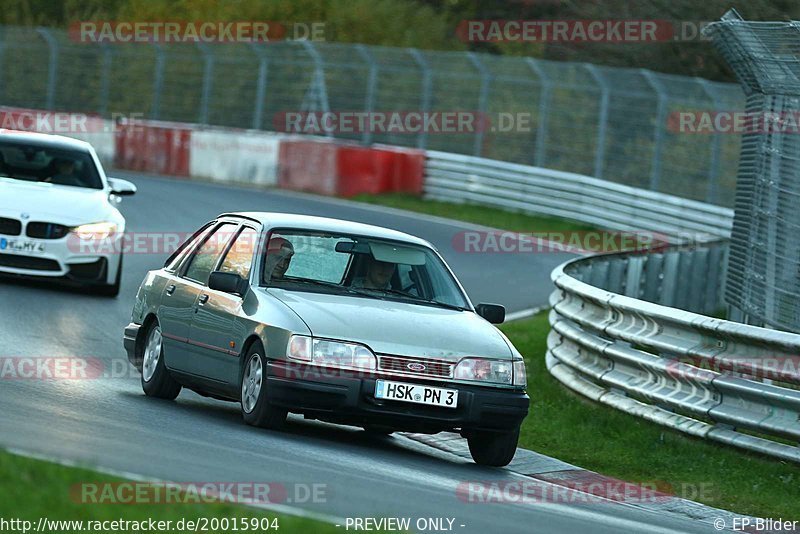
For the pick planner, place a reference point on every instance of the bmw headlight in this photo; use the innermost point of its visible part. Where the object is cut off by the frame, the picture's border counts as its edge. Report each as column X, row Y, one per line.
column 98, row 231
column 329, row 353
column 491, row 371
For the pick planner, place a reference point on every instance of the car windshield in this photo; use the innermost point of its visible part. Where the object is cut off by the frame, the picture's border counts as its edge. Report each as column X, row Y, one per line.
column 41, row 163
column 359, row 267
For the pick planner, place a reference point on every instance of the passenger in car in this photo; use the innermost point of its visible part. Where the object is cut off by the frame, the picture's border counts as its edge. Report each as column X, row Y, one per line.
column 278, row 258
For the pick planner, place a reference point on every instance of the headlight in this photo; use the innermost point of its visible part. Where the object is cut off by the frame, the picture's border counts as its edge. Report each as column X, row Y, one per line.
column 481, row 370
column 329, row 353
column 97, row 231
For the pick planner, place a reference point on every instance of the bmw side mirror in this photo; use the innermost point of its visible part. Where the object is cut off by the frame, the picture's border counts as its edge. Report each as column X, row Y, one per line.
column 494, row 313
column 121, row 187
column 228, row 283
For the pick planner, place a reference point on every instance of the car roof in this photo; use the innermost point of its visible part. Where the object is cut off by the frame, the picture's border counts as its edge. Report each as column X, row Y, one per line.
column 309, row 222
column 44, row 140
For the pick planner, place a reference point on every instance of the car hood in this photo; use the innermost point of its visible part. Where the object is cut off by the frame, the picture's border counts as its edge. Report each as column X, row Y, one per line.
column 391, row 327
column 54, row 203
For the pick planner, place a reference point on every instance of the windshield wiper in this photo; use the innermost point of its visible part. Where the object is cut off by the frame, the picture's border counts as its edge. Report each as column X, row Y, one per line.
column 416, row 298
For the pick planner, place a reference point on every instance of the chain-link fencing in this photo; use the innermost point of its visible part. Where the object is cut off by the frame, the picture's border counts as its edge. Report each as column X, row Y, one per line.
column 611, row 123
column 764, row 266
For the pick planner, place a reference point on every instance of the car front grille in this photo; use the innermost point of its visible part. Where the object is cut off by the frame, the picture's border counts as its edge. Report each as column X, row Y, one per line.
column 45, row 230
column 88, row 271
column 27, row 262
column 429, row 368
column 10, row 226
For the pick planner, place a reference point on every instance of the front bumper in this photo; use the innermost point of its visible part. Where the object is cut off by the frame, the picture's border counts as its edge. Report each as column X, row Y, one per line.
column 65, row 258
column 348, row 397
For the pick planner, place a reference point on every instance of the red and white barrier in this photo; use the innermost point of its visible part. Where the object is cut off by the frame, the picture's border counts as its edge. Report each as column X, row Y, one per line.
column 303, row 163
column 233, row 156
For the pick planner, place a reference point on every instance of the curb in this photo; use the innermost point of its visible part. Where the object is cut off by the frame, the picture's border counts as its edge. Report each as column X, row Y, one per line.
column 572, row 478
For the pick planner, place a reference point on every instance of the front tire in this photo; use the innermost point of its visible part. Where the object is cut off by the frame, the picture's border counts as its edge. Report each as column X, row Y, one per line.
column 494, row 449
column 256, row 410
column 156, row 380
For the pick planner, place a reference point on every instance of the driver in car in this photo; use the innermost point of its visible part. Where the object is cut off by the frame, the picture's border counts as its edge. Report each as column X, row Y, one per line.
column 65, row 173
column 278, row 258
column 379, row 275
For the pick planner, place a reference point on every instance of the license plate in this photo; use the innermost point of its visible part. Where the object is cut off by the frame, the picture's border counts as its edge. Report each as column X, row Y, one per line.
column 21, row 246
column 416, row 393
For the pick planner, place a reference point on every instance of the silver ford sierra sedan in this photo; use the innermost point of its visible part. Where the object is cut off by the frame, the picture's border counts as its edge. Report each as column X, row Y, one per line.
column 338, row 321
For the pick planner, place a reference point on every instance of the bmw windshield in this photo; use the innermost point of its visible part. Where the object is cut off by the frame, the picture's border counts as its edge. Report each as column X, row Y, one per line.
column 359, row 266
column 41, row 163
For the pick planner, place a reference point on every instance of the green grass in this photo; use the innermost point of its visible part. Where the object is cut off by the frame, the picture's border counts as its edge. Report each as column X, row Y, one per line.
column 495, row 218
column 564, row 425
column 32, row 489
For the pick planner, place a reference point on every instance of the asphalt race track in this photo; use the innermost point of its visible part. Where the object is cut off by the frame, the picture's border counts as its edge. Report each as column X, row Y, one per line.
column 109, row 423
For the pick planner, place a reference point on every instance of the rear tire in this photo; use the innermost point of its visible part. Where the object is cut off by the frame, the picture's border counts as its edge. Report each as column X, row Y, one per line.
column 256, row 410
column 156, row 380
column 495, row 449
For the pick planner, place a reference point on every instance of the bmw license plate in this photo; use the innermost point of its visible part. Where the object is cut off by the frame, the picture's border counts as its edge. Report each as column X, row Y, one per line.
column 21, row 246
column 400, row 391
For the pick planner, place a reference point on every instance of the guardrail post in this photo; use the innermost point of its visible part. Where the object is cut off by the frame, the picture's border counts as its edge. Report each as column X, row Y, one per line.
column 208, row 79
column 427, row 82
column 105, row 78
column 712, row 192
column 317, row 90
column 372, row 81
column 261, row 84
column 660, row 127
column 158, row 80
column 544, row 111
column 483, row 98
column 52, row 67
column 602, row 121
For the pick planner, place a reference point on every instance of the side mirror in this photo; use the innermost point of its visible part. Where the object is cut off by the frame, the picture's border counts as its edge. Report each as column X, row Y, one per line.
column 494, row 313
column 227, row 283
column 121, row 187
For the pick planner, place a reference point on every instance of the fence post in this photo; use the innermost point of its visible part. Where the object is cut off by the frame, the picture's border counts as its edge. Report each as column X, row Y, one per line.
column 661, row 117
column 372, row 80
column 317, row 90
column 261, row 84
column 427, row 82
column 483, row 98
column 208, row 79
column 158, row 80
column 52, row 68
column 602, row 122
column 105, row 78
column 712, row 192
column 544, row 111
column 2, row 54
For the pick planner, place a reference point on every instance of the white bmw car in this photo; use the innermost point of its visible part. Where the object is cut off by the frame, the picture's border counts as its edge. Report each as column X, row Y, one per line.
column 58, row 214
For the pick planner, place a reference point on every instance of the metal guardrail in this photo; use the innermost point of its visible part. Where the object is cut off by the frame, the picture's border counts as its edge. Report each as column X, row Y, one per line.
column 715, row 379
column 512, row 186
